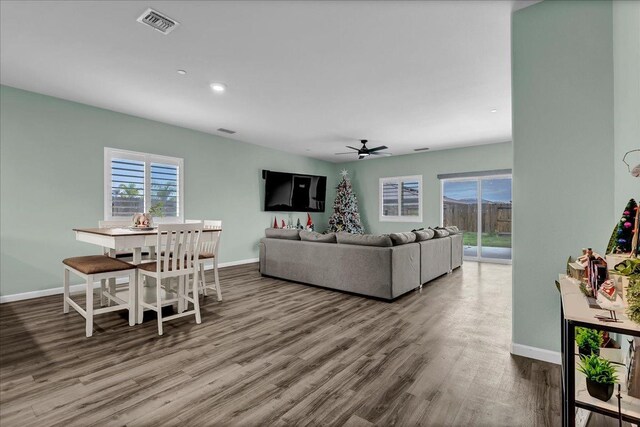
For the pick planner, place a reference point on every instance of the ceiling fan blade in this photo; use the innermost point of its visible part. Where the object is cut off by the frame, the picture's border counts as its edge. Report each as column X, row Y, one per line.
column 382, row 147
column 380, row 154
column 353, row 148
column 351, row 152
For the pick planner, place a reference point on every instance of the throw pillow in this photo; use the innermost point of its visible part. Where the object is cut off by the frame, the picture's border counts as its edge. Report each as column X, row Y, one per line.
column 282, row 233
column 364, row 239
column 422, row 235
column 402, row 238
column 313, row 236
column 452, row 229
column 440, row 232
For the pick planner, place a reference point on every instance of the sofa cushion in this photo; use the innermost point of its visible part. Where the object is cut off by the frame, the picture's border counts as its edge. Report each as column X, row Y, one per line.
column 422, row 235
column 364, row 239
column 402, row 238
column 314, row 236
column 282, row 233
column 440, row 232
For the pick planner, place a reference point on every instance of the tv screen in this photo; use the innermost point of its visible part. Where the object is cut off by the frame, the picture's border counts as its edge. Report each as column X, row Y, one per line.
column 294, row 192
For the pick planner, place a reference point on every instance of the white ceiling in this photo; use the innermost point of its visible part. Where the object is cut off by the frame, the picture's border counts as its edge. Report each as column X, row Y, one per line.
column 305, row 77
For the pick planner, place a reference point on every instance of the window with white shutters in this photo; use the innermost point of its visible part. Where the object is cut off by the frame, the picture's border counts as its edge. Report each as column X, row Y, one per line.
column 401, row 199
column 141, row 182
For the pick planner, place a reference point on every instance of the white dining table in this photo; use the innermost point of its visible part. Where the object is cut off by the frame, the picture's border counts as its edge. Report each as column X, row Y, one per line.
column 117, row 239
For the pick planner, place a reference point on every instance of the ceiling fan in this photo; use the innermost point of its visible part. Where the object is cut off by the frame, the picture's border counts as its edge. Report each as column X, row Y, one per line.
column 365, row 152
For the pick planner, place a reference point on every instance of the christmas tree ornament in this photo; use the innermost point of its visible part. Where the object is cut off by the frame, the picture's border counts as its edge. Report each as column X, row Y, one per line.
column 283, row 224
column 275, row 222
column 345, row 216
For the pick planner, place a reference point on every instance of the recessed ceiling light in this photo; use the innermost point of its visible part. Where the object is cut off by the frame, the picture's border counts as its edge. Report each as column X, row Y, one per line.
column 494, row 111
column 218, row 87
column 182, row 72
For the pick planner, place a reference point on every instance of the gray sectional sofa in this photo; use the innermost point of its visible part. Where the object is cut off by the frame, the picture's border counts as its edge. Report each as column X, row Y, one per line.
column 382, row 271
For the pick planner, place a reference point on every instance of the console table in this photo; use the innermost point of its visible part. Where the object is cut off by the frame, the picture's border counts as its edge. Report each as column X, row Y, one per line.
column 575, row 311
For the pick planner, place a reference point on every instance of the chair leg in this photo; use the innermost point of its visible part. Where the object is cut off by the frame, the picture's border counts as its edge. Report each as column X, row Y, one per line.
column 140, row 285
column 103, row 288
column 196, row 298
column 202, row 279
column 217, row 279
column 89, row 310
column 159, row 304
column 112, row 289
column 65, row 281
column 181, row 290
column 132, row 298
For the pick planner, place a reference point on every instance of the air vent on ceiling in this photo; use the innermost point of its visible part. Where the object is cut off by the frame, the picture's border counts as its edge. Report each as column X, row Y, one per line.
column 421, row 149
column 158, row 21
column 226, row 131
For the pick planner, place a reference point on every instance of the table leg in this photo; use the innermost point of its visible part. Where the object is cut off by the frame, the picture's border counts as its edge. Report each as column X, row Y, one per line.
column 569, row 375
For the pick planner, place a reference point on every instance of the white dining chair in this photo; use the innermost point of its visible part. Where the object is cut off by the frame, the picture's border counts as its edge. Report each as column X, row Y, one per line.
column 123, row 255
column 209, row 248
column 98, row 267
column 183, row 242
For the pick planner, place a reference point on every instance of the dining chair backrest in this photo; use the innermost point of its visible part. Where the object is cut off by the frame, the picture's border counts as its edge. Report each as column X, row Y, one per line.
column 210, row 241
column 181, row 245
column 114, row 223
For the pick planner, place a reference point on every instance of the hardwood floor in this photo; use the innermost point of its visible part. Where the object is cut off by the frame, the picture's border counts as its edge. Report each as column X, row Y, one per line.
column 280, row 353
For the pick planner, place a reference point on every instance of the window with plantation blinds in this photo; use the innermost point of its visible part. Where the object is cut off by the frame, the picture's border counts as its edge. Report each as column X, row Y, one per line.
column 401, row 199
column 141, row 182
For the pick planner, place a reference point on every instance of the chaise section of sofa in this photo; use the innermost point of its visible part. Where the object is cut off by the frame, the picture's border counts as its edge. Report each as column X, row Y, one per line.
column 435, row 258
column 381, row 272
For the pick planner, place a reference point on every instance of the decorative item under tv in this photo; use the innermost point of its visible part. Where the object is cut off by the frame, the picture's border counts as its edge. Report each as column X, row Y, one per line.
column 142, row 220
column 275, row 222
column 310, row 226
column 345, row 216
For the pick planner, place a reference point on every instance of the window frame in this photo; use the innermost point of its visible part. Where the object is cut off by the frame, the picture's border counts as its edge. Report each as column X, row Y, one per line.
column 147, row 158
column 400, row 218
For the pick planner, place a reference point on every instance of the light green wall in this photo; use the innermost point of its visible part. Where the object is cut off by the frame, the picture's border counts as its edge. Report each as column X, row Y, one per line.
column 626, row 60
column 365, row 175
column 563, row 133
column 51, row 179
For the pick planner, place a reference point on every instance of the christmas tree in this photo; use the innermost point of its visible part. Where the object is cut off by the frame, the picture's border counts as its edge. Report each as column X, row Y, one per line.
column 624, row 232
column 345, row 215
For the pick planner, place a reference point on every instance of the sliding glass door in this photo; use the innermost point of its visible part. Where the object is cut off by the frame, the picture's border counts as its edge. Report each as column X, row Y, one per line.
column 481, row 208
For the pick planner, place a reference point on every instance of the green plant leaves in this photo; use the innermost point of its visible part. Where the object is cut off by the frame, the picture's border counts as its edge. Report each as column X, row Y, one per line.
column 598, row 369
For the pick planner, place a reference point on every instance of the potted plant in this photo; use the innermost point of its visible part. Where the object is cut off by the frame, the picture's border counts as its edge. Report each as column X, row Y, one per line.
column 601, row 376
column 589, row 341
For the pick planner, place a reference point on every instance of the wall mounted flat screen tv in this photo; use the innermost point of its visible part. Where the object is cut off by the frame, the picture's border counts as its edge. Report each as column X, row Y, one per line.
column 294, row 192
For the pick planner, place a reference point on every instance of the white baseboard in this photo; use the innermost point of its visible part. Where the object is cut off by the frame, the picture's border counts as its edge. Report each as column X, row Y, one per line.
column 80, row 288
column 239, row 262
column 536, row 353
